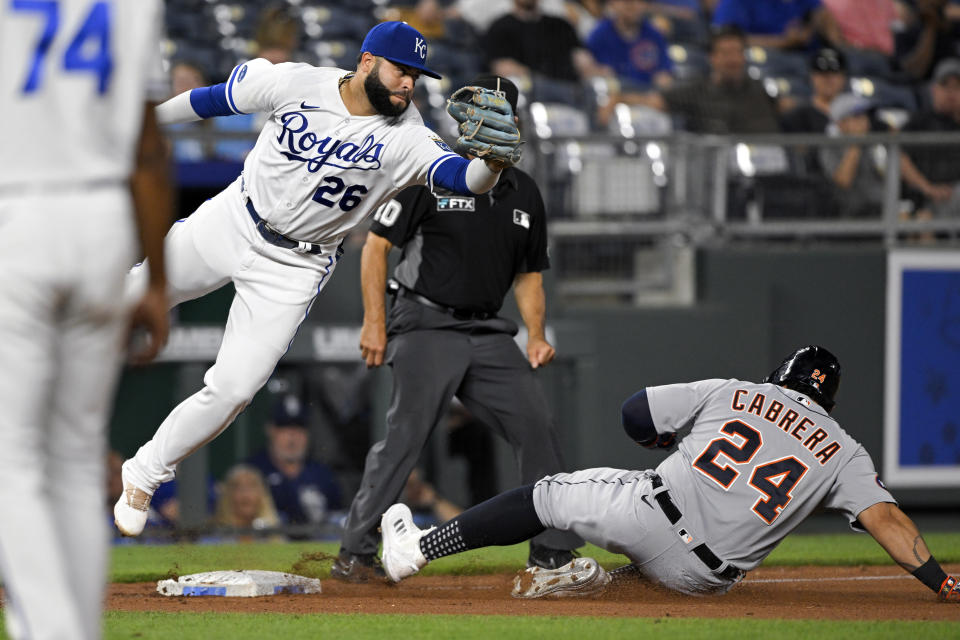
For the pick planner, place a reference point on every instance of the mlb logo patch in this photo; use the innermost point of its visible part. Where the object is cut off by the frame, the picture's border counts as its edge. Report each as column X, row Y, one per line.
column 456, row 203
column 521, row 218
column 443, row 145
column 686, row 537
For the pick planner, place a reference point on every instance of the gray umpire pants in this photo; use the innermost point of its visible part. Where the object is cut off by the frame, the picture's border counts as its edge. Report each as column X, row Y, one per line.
column 435, row 357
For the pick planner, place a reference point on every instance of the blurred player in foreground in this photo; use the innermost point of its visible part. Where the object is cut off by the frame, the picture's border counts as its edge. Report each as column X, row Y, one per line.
column 757, row 460
column 77, row 134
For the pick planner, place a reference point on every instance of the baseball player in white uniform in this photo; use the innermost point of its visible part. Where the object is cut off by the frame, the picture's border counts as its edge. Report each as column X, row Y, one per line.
column 76, row 127
column 757, row 460
column 335, row 146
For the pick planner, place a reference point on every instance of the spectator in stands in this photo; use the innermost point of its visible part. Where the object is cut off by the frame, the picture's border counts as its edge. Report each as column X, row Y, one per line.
column 626, row 42
column 932, row 173
column 867, row 24
column 935, row 35
column 184, row 76
column 779, row 24
column 304, row 491
column 244, row 502
column 426, row 16
column 855, row 169
column 277, row 34
column 480, row 14
column 428, row 506
column 527, row 42
column 828, row 77
column 730, row 102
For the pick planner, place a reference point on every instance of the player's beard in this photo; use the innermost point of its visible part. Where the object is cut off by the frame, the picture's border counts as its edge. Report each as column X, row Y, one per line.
column 379, row 95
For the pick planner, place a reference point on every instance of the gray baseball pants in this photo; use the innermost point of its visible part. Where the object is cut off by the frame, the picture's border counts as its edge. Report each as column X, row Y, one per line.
column 616, row 510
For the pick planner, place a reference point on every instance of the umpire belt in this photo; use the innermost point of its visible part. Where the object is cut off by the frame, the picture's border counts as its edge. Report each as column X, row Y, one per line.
column 459, row 314
column 702, row 551
column 278, row 239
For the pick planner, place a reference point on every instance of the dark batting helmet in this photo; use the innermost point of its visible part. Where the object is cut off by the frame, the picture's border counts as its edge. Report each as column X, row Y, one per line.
column 811, row 370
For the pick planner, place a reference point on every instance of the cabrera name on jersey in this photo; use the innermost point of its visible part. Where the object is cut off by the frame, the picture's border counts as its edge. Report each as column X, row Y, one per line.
column 316, row 171
column 758, row 449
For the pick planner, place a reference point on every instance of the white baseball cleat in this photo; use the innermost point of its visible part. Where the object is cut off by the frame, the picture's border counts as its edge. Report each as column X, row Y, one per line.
column 582, row 577
column 401, row 543
column 130, row 512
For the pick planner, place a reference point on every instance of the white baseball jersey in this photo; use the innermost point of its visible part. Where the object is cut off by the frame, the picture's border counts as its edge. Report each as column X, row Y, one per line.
column 758, row 460
column 317, row 171
column 73, row 75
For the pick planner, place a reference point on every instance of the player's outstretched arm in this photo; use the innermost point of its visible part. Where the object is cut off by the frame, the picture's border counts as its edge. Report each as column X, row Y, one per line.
column 899, row 536
column 373, row 284
column 153, row 205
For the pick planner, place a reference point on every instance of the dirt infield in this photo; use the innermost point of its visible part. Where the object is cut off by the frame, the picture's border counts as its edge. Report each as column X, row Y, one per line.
column 839, row 593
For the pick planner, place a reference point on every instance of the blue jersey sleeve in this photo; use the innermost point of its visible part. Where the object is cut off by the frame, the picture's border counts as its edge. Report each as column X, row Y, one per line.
column 450, row 172
column 211, row 101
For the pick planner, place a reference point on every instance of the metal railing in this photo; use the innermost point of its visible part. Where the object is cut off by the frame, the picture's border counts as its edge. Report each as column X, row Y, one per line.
column 626, row 213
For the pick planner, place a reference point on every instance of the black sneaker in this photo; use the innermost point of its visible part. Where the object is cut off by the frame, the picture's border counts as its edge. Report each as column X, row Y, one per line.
column 357, row 567
column 547, row 558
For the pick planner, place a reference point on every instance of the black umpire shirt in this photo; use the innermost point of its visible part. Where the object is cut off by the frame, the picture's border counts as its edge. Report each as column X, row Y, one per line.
column 465, row 251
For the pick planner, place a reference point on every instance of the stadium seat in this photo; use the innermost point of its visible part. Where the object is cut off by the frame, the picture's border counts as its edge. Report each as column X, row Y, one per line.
column 337, row 23
column 689, row 61
column 884, row 94
column 793, row 86
column 762, row 63
column 636, row 120
column 758, row 160
column 558, row 119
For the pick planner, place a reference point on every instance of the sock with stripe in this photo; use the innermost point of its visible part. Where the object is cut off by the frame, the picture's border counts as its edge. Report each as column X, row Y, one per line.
column 505, row 519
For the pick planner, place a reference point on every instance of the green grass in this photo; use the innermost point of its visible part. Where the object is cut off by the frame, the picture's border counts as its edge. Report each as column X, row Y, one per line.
column 140, row 563
column 136, row 563
column 202, row 626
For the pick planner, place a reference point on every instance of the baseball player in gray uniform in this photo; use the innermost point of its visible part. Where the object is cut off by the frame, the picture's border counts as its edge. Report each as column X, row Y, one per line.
column 335, row 146
column 756, row 461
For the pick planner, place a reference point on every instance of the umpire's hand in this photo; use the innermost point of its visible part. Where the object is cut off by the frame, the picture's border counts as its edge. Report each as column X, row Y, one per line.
column 539, row 352
column 373, row 343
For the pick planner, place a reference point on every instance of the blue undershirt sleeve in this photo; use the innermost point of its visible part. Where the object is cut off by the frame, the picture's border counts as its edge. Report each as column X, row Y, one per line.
column 211, row 101
column 450, row 172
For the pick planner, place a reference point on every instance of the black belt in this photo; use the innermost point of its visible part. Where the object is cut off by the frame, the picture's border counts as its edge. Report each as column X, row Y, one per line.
column 702, row 551
column 459, row 314
column 278, row 239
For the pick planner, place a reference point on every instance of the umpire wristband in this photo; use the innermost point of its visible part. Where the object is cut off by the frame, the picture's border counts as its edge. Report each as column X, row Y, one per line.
column 931, row 574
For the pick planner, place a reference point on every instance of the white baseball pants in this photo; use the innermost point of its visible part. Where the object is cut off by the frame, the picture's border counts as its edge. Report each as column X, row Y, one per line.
column 274, row 290
column 63, row 259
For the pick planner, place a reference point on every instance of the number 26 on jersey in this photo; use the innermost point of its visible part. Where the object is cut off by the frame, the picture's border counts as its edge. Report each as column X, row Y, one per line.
column 88, row 50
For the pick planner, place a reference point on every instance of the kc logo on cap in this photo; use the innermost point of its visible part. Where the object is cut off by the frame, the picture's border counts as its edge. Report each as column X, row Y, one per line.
column 399, row 43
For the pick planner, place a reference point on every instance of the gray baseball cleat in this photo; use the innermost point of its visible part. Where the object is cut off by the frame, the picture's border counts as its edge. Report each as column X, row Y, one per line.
column 581, row 577
column 130, row 512
column 401, row 543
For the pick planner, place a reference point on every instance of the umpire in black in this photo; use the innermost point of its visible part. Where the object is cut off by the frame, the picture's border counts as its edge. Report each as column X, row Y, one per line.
column 444, row 338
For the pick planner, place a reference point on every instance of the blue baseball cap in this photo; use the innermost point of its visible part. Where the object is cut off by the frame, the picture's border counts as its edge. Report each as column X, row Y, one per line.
column 399, row 43
column 289, row 411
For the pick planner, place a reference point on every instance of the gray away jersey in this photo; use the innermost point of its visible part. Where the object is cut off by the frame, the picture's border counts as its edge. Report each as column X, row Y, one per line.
column 757, row 461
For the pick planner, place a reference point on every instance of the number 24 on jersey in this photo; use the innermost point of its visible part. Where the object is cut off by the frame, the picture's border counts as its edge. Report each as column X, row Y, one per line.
column 775, row 479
